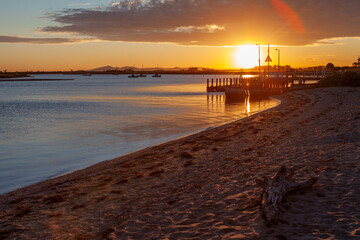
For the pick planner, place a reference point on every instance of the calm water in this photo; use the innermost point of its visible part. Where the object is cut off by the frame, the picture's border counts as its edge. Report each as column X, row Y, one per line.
column 51, row 128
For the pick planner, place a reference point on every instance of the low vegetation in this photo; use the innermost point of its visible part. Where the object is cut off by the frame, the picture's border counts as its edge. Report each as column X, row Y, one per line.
column 350, row 79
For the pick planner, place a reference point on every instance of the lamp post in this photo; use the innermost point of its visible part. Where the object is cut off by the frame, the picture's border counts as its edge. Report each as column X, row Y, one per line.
column 268, row 60
column 259, row 60
column 278, row 61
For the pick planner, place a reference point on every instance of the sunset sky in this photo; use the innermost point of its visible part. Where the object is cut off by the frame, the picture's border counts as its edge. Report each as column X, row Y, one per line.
column 84, row 34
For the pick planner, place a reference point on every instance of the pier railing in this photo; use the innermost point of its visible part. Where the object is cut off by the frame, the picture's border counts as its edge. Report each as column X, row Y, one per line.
column 219, row 84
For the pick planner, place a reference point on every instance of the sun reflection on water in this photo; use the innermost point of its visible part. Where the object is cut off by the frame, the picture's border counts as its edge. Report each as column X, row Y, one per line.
column 247, row 104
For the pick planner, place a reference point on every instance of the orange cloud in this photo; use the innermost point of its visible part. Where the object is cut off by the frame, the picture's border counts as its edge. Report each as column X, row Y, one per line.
column 288, row 15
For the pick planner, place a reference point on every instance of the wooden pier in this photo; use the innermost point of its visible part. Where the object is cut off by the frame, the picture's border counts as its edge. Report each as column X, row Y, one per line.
column 219, row 85
column 257, row 88
column 282, row 80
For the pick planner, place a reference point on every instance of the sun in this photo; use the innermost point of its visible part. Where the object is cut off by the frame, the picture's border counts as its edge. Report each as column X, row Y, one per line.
column 246, row 56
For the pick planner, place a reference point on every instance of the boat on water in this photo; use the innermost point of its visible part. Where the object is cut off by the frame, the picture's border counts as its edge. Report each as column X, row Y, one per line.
column 133, row 76
column 156, row 75
column 142, row 75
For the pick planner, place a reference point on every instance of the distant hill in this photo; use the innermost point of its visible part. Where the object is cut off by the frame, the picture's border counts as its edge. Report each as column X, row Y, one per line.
column 110, row 68
column 104, row 69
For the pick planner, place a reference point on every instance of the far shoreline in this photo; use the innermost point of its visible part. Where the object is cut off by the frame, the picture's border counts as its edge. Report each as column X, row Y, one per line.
column 34, row 80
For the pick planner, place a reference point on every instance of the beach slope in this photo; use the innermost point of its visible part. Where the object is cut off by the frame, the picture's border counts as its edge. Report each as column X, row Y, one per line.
column 203, row 186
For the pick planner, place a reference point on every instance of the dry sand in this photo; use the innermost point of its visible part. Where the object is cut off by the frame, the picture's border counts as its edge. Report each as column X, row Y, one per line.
column 203, row 186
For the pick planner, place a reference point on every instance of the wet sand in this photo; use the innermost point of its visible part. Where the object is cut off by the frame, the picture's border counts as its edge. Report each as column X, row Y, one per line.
column 203, row 186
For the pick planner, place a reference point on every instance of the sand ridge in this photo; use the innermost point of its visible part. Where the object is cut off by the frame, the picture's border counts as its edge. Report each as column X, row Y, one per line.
column 203, row 186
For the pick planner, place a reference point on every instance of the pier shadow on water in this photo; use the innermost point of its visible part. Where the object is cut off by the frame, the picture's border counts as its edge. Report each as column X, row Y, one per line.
column 246, row 105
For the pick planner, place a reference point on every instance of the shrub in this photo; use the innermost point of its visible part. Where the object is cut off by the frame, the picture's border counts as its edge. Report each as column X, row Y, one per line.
column 350, row 79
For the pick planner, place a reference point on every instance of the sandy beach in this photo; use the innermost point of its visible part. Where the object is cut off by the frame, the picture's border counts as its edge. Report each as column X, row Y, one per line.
column 203, row 186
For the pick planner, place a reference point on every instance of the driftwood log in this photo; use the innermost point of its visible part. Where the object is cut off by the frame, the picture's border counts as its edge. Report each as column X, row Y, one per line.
column 276, row 189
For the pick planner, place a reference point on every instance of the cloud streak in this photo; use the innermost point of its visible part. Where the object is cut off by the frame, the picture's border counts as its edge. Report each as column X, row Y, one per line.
column 17, row 39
